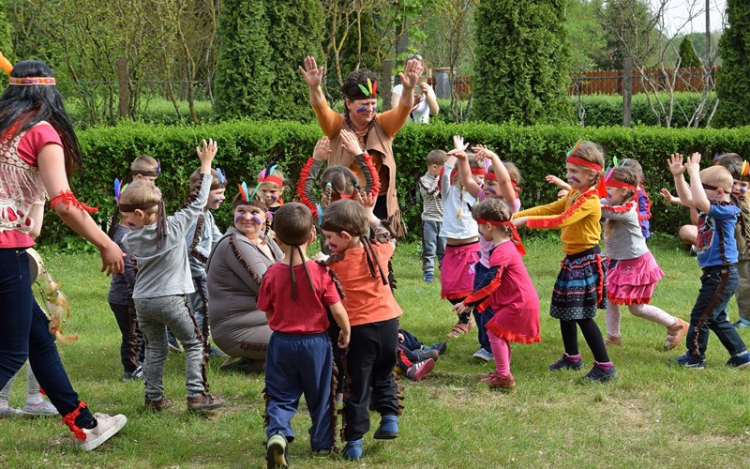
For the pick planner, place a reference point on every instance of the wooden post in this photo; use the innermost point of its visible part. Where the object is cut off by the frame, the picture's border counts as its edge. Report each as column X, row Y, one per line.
column 123, row 91
column 627, row 90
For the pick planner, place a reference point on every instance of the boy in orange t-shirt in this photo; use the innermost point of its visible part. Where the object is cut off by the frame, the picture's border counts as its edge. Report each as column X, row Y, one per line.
column 362, row 269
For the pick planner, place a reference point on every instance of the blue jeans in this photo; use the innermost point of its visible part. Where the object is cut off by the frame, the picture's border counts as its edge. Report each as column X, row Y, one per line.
column 710, row 312
column 24, row 333
column 432, row 245
column 481, row 279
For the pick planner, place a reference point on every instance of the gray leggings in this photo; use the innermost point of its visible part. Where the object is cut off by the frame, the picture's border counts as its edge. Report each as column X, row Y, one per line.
column 154, row 316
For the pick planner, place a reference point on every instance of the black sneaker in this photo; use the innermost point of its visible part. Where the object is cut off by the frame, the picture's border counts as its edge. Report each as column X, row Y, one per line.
column 598, row 375
column 566, row 363
column 688, row 361
column 441, row 347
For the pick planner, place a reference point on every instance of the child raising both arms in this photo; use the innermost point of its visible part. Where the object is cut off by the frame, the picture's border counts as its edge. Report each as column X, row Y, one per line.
column 461, row 235
column 157, row 244
column 632, row 272
column 579, row 288
column 295, row 295
column 498, row 184
column 709, row 194
column 511, row 292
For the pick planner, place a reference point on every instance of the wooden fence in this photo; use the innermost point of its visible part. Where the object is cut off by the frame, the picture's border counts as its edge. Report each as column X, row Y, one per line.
column 611, row 81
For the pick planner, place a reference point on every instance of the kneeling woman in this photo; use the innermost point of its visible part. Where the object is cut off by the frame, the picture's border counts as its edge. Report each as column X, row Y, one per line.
column 235, row 271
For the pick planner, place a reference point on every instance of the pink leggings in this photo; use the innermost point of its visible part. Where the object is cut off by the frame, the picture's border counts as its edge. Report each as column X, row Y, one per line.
column 501, row 353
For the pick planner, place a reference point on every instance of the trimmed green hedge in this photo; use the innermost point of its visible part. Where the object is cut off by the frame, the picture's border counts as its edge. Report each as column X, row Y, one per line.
column 245, row 147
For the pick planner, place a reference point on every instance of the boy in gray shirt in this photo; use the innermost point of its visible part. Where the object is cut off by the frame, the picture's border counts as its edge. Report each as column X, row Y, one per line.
column 157, row 245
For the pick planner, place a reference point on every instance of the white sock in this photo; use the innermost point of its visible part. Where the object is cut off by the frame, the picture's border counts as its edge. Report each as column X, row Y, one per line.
column 33, row 396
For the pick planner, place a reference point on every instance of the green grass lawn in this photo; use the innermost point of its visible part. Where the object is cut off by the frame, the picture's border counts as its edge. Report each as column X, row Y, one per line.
column 653, row 415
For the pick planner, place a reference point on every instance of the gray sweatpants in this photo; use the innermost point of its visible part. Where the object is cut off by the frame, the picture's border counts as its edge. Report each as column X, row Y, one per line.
column 154, row 316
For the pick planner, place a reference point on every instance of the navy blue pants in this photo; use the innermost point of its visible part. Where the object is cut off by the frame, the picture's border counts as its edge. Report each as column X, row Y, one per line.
column 482, row 278
column 297, row 365
column 710, row 313
column 372, row 355
column 24, row 333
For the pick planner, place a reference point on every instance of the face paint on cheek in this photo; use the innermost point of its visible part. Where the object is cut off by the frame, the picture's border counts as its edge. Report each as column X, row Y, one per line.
column 273, row 198
column 609, row 196
column 333, row 246
column 218, row 200
column 362, row 109
column 491, row 191
column 132, row 225
column 575, row 179
column 743, row 190
column 238, row 218
column 256, row 220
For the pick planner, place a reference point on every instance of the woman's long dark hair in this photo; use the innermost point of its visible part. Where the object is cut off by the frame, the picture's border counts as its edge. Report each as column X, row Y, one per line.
column 22, row 107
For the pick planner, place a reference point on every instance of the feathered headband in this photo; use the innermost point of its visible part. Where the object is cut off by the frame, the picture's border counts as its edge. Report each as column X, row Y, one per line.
column 365, row 92
column 267, row 175
column 119, row 189
column 24, row 81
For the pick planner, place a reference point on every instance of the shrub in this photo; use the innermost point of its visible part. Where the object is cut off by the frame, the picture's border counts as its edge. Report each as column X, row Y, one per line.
column 245, row 147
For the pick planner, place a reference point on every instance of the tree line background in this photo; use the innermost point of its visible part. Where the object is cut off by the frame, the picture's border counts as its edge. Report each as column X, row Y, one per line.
column 241, row 56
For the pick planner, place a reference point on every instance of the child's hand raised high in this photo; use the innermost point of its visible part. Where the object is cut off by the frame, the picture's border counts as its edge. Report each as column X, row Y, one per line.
column 322, row 149
column 484, row 153
column 458, row 143
column 676, row 167
column 350, row 143
column 207, row 155
column 693, row 162
column 368, row 200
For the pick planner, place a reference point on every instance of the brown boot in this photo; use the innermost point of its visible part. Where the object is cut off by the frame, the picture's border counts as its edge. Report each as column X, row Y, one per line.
column 675, row 333
column 613, row 340
column 498, row 382
column 153, row 405
column 205, row 402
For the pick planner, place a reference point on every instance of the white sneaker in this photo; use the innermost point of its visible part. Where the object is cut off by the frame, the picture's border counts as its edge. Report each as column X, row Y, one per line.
column 106, row 427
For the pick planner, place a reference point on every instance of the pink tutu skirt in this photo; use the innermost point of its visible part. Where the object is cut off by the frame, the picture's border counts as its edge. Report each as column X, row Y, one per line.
column 457, row 271
column 633, row 281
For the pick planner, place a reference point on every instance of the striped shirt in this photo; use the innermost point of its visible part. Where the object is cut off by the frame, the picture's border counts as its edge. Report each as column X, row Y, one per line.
column 432, row 202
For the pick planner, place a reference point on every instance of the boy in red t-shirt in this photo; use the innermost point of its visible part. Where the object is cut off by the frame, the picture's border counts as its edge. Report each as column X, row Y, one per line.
column 362, row 269
column 299, row 357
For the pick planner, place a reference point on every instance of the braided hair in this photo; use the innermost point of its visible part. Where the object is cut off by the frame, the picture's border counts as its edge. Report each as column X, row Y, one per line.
column 338, row 182
column 293, row 228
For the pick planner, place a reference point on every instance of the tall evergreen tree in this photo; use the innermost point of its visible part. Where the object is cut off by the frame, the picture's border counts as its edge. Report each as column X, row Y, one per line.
column 522, row 60
column 688, row 56
column 244, row 76
column 262, row 44
column 733, row 78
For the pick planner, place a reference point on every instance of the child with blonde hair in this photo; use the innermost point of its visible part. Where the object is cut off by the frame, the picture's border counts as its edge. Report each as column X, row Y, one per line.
column 158, row 246
column 580, row 286
column 709, row 193
column 632, row 272
column 509, row 291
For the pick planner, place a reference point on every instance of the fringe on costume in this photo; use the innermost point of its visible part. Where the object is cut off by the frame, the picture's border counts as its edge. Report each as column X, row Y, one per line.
column 557, row 221
column 197, row 238
column 204, row 339
column 243, row 261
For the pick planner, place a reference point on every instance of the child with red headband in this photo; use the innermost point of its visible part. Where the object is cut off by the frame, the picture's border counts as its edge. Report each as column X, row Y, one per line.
column 509, row 292
column 461, row 235
column 498, row 184
column 632, row 272
column 579, row 288
column 271, row 187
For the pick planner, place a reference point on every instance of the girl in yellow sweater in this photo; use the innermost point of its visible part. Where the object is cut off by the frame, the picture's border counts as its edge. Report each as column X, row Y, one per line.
column 579, row 288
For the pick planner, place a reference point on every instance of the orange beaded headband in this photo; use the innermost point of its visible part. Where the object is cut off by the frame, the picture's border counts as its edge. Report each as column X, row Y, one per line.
column 25, row 81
